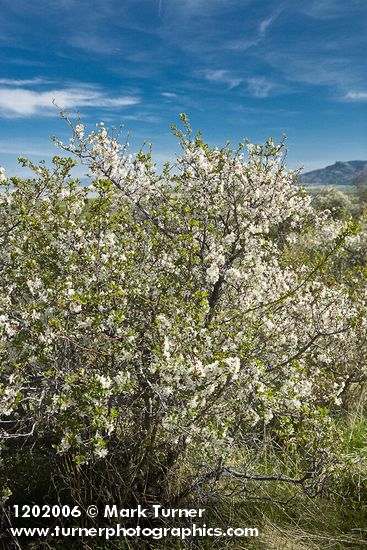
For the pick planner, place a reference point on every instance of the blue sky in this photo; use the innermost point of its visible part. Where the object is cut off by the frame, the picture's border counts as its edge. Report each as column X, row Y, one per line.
column 239, row 69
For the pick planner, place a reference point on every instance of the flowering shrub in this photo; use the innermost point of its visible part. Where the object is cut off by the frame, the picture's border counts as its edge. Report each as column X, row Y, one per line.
column 348, row 270
column 337, row 202
column 158, row 327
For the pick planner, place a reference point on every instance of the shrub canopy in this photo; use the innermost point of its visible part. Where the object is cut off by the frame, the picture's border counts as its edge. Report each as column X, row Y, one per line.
column 157, row 316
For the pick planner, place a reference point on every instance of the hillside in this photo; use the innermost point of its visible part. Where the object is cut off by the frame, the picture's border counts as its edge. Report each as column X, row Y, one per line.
column 360, row 180
column 339, row 173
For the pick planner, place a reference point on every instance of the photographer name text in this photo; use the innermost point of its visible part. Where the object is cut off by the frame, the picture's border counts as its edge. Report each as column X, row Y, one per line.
column 156, row 511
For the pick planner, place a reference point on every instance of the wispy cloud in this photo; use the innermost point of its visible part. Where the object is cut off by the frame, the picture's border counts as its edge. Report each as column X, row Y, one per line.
column 22, row 102
column 262, row 28
column 265, row 23
column 23, row 147
column 160, row 7
column 332, row 70
column 29, row 82
column 145, row 117
column 92, row 43
column 222, row 76
column 260, row 86
column 191, row 8
column 169, row 95
column 356, row 96
column 330, row 9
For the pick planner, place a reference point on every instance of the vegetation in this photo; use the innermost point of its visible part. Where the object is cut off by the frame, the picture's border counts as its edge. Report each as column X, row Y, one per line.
column 191, row 337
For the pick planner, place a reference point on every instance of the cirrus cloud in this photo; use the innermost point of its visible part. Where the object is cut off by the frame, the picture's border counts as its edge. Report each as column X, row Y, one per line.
column 356, row 96
column 222, row 76
column 17, row 102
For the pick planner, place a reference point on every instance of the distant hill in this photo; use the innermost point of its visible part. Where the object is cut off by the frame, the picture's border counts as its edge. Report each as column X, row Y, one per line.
column 360, row 180
column 339, row 173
